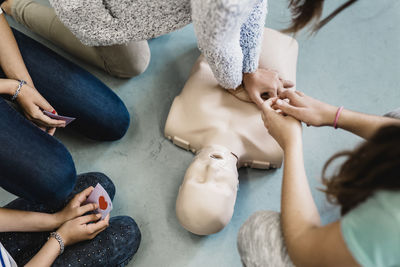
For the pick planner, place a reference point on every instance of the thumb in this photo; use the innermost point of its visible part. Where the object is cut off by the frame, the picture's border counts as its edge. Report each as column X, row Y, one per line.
column 82, row 196
column 41, row 102
column 257, row 99
column 266, row 107
column 287, row 83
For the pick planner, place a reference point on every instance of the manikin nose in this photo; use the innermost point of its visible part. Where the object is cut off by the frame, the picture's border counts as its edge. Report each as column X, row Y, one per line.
column 213, row 168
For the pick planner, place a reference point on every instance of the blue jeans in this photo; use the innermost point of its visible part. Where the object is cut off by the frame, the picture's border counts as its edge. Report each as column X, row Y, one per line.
column 115, row 246
column 35, row 165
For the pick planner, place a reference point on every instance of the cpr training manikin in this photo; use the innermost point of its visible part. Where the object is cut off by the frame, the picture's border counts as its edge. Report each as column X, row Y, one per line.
column 225, row 133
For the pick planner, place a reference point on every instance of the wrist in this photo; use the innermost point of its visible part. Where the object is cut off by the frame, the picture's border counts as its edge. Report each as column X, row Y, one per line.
column 248, row 75
column 328, row 115
column 249, row 80
column 58, row 219
column 293, row 143
column 9, row 86
column 55, row 245
column 63, row 235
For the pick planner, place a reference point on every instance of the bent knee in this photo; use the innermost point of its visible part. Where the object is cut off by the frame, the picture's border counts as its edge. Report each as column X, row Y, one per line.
column 104, row 119
column 129, row 237
column 128, row 60
column 133, row 67
column 260, row 241
column 85, row 180
column 114, row 124
column 270, row 220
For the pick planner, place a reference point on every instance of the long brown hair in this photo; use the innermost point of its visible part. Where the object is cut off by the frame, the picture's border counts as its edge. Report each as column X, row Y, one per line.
column 306, row 11
column 373, row 166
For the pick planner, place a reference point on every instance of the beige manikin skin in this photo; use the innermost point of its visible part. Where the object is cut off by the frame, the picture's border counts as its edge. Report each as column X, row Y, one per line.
column 226, row 133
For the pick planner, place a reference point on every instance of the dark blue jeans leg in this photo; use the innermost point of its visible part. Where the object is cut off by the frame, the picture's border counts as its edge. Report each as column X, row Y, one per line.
column 33, row 164
column 113, row 247
column 74, row 92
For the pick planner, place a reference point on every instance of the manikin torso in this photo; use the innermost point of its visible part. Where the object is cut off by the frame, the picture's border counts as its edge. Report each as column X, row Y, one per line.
column 205, row 114
column 225, row 132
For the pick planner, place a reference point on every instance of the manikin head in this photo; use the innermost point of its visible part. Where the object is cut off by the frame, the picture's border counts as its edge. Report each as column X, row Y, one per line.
column 207, row 195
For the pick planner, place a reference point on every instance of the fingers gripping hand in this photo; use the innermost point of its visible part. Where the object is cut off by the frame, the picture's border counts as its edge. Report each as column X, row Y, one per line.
column 264, row 84
column 95, row 228
column 305, row 108
column 80, row 228
column 83, row 228
column 75, row 207
column 284, row 129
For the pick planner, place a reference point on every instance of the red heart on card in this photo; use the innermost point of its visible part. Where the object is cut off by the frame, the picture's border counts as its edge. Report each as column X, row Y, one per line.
column 103, row 203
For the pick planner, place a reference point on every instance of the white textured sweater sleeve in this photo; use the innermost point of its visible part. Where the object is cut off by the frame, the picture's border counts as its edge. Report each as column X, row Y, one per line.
column 218, row 26
column 251, row 35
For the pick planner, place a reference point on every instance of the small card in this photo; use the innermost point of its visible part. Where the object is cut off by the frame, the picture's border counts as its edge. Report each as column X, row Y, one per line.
column 67, row 120
column 102, row 199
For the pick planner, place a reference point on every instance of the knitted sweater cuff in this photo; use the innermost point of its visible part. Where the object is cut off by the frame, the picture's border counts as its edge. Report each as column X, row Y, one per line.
column 250, row 60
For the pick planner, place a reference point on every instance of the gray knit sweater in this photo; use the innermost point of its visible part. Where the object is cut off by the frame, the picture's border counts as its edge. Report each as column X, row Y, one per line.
column 229, row 32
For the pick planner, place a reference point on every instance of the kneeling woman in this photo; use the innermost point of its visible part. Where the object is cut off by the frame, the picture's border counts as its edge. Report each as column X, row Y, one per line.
column 367, row 187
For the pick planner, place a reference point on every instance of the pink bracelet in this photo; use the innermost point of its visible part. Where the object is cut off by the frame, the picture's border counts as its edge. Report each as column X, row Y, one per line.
column 337, row 116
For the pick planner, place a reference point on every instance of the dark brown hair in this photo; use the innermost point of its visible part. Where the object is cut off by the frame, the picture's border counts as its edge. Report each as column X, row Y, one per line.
column 306, row 11
column 373, row 166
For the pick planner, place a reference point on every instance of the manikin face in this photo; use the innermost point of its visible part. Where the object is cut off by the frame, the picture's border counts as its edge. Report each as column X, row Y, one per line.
column 208, row 193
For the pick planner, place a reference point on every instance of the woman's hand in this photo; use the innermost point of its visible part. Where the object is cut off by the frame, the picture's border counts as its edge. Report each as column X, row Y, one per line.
column 264, row 84
column 74, row 208
column 305, row 108
column 285, row 129
column 29, row 99
column 33, row 104
column 82, row 228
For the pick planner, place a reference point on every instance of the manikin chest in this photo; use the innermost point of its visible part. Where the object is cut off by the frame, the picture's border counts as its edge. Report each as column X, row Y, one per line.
column 205, row 114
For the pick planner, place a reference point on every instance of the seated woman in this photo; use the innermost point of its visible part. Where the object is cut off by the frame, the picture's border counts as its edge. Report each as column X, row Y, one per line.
column 26, row 238
column 34, row 165
column 366, row 186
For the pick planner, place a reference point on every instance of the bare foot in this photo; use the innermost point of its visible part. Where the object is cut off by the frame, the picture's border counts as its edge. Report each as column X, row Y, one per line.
column 6, row 6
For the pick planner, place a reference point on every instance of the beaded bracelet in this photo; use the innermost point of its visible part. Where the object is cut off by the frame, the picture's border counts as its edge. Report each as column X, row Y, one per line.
column 21, row 83
column 59, row 239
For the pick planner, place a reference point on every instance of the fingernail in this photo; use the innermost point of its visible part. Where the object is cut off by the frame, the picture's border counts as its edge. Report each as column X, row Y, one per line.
column 54, row 111
column 279, row 102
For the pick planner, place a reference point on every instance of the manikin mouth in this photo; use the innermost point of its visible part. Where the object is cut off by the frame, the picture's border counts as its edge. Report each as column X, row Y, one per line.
column 216, row 156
